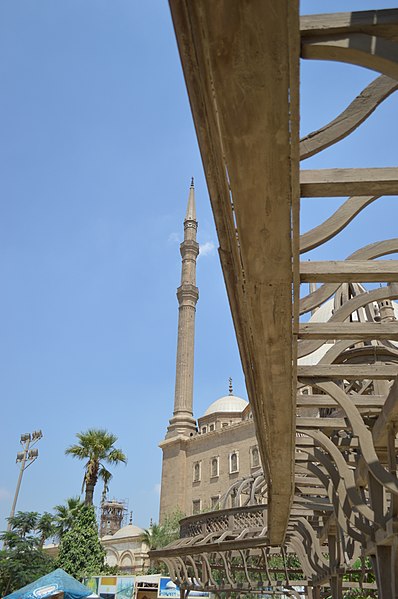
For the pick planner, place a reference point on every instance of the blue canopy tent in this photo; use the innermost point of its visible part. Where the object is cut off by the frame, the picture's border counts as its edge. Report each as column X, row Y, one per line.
column 52, row 584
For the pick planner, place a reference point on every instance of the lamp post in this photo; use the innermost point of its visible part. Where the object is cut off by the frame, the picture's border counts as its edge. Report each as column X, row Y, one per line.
column 26, row 457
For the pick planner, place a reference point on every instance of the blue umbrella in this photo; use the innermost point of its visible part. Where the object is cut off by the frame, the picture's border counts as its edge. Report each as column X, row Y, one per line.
column 51, row 584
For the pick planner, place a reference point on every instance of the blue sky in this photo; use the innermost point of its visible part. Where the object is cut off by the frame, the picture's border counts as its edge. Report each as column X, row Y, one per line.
column 97, row 149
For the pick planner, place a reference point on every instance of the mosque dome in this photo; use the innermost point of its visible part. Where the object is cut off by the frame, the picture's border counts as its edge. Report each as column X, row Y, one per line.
column 228, row 403
column 128, row 531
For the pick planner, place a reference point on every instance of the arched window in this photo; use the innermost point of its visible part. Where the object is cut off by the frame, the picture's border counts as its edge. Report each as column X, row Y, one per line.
column 204, row 429
column 211, row 428
column 196, row 506
column 196, row 472
column 233, row 462
column 255, row 457
column 214, row 467
column 215, row 502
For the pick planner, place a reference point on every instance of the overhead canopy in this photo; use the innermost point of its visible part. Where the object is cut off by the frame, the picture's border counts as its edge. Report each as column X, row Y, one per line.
column 240, row 61
column 52, row 584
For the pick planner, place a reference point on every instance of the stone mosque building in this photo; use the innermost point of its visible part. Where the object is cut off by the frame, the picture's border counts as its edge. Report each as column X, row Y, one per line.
column 201, row 458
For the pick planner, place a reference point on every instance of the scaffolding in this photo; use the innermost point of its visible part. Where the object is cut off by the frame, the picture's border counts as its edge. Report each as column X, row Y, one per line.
column 113, row 516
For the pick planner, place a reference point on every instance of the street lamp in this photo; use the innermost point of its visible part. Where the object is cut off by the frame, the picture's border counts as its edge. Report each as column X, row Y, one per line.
column 26, row 457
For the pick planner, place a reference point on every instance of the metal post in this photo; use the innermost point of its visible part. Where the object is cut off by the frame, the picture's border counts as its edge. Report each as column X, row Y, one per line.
column 27, row 440
column 21, row 471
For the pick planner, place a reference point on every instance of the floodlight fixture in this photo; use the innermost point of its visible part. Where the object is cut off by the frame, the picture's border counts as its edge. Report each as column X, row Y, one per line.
column 25, row 458
column 33, row 454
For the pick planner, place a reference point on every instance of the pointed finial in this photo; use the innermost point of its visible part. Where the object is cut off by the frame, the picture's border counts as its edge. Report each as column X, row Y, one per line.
column 191, row 208
column 192, row 185
column 150, row 523
column 231, row 391
column 131, row 518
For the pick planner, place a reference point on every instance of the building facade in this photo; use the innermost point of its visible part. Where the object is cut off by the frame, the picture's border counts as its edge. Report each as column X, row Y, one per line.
column 127, row 549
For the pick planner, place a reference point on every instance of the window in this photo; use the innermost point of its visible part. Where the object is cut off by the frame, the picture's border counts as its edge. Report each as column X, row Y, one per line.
column 196, row 472
column 214, row 467
column 233, row 462
column 211, row 428
column 233, row 499
column 196, row 506
column 215, row 502
column 204, row 429
column 255, row 457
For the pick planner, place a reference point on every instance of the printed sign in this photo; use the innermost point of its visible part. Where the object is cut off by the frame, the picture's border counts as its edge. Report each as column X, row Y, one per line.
column 125, row 587
column 44, row 591
column 167, row 588
column 92, row 584
column 111, row 587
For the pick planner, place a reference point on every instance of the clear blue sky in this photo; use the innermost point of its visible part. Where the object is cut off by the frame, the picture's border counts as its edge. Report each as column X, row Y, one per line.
column 97, row 148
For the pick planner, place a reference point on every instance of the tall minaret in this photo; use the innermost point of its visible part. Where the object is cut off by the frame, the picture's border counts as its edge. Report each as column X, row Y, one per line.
column 182, row 421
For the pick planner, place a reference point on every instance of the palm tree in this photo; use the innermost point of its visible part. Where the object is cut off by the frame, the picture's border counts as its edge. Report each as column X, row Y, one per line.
column 96, row 446
column 65, row 515
column 155, row 536
column 106, row 477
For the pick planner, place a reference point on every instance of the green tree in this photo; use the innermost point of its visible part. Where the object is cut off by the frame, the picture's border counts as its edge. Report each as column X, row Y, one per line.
column 106, row 477
column 154, row 537
column 22, row 559
column 24, row 523
column 97, row 447
column 171, row 526
column 80, row 551
column 160, row 535
column 45, row 527
column 65, row 515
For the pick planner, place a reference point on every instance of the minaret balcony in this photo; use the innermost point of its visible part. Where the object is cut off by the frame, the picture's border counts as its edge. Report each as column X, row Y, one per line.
column 189, row 246
column 190, row 224
column 187, row 294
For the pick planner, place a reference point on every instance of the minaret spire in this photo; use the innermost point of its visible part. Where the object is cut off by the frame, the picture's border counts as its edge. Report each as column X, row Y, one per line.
column 182, row 421
column 191, row 207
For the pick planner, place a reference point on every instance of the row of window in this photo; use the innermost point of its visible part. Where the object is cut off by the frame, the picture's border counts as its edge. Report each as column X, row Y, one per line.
column 233, row 464
column 211, row 427
column 214, row 503
column 197, row 504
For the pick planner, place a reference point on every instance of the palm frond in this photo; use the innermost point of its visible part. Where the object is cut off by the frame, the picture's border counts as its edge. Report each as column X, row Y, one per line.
column 115, row 456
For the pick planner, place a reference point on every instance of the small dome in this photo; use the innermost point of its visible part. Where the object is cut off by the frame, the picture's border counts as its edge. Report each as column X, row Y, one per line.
column 128, row 531
column 228, row 403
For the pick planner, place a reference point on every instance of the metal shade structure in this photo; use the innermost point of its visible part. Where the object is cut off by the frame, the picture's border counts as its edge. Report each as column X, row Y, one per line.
column 51, row 584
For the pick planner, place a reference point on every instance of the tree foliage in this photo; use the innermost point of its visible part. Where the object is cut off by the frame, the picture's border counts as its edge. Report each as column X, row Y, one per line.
column 160, row 535
column 80, row 551
column 97, row 447
column 65, row 515
column 22, row 559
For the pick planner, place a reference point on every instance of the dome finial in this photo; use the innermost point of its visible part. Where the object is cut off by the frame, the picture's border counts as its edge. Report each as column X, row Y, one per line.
column 231, row 391
column 131, row 518
column 192, row 184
